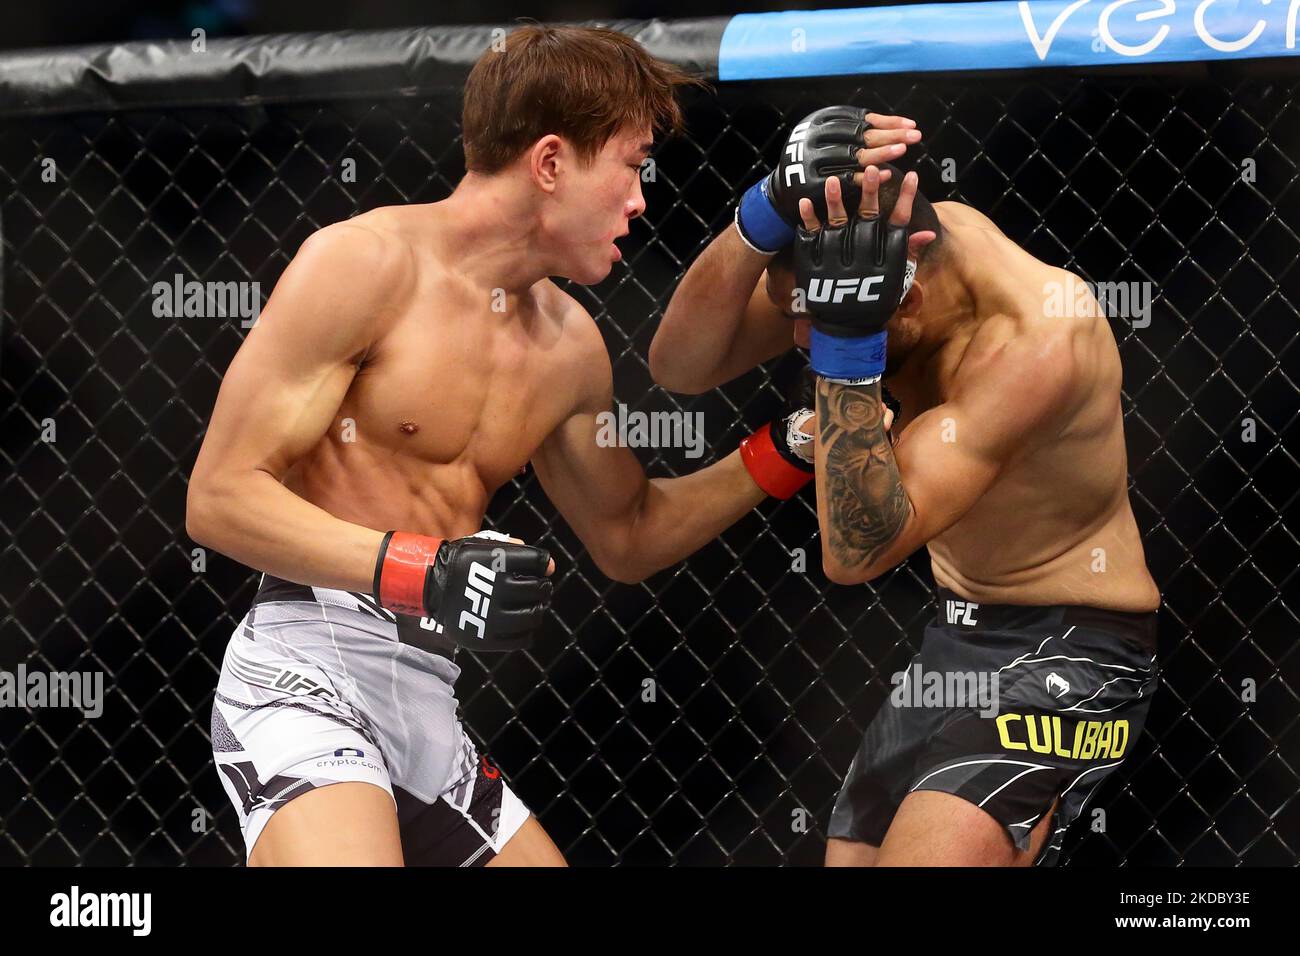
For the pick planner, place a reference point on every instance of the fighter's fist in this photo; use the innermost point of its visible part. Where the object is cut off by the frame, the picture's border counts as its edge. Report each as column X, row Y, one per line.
column 487, row 592
column 835, row 142
column 854, row 272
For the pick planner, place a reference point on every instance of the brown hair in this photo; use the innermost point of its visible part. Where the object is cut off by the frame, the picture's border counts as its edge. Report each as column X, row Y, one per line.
column 581, row 83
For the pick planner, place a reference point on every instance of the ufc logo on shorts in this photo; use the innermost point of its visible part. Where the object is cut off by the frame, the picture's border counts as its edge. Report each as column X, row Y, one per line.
column 794, row 150
column 297, row 684
column 822, row 290
column 478, row 590
column 961, row 612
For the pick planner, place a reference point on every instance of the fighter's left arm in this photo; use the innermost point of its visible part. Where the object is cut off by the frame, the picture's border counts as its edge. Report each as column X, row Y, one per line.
column 877, row 502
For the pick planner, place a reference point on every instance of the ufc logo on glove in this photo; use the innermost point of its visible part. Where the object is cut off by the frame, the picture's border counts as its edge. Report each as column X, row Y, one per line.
column 822, row 290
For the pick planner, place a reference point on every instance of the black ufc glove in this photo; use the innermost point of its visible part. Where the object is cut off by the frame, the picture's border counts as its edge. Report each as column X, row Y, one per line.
column 853, row 277
column 823, row 144
column 483, row 593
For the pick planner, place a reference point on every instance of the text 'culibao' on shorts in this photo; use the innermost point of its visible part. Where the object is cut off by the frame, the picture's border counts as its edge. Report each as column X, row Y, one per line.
column 1010, row 708
column 317, row 687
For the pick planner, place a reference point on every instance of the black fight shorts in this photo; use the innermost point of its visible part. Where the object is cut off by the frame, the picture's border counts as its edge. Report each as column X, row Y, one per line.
column 1009, row 708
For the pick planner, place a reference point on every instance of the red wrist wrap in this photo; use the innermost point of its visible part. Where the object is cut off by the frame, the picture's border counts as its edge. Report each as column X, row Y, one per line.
column 768, row 468
column 399, row 574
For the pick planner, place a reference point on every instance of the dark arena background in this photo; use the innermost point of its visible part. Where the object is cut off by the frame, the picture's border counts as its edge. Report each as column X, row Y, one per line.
column 707, row 716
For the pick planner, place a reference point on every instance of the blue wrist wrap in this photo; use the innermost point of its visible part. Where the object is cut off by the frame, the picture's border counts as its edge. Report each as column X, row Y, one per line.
column 759, row 222
column 847, row 359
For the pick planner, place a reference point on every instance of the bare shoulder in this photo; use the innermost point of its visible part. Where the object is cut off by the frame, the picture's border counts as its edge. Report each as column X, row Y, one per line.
column 1032, row 368
column 370, row 255
column 335, row 297
column 1049, row 349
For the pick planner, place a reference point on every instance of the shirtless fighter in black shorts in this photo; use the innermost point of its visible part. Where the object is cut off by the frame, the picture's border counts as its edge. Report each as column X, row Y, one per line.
column 1007, row 462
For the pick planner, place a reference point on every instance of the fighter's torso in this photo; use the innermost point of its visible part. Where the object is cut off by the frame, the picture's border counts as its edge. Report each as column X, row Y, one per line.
column 448, row 404
column 1056, row 526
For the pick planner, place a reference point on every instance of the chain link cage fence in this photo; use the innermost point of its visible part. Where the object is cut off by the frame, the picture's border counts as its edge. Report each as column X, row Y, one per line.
column 764, row 675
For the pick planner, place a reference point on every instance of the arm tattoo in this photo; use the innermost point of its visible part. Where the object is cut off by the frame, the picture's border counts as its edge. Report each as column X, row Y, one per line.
column 865, row 501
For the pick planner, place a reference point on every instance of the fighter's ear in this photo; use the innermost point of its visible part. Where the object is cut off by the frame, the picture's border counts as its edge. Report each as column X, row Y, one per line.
column 910, row 307
column 544, row 160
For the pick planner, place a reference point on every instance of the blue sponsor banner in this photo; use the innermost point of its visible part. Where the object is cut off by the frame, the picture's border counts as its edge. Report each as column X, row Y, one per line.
column 1004, row 34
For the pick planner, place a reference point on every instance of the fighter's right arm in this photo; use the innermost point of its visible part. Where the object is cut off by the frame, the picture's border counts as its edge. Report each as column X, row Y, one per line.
column 280, row 394
column 719, row 323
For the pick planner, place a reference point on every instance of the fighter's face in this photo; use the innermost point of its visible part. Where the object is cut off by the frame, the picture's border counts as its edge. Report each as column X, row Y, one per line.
column 596, row 203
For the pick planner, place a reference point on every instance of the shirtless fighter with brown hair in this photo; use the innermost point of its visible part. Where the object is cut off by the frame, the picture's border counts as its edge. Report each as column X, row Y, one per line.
column 1007, row 463
column 409, row 362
